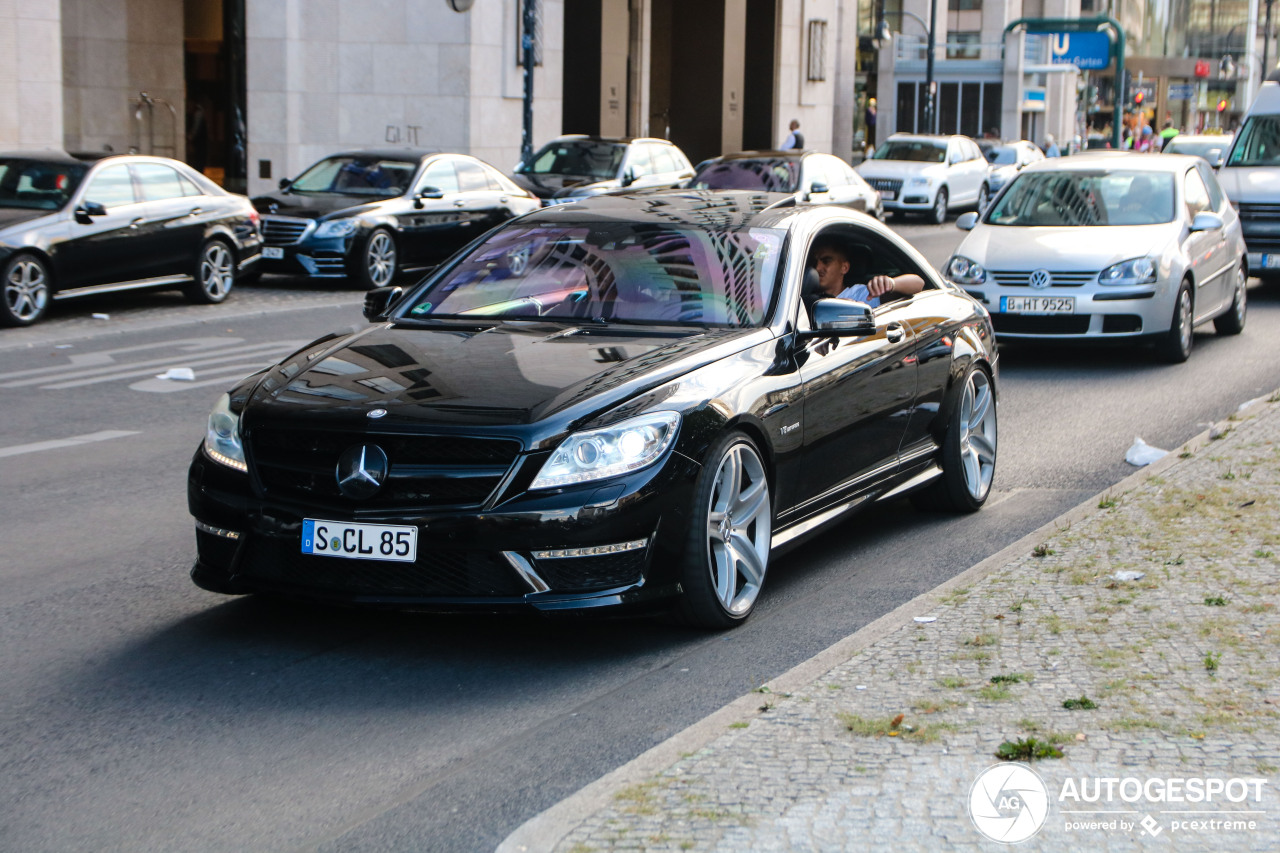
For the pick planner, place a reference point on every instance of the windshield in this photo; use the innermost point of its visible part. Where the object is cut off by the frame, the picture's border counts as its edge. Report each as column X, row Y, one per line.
column 1196, row 149
column 1002, row 156
column 38, row 185
column 918, row 150
column 772, row 175
column 364, row 176
column 599, row 160
column 1086, row 198
column 621, row 272
column 1258, row 143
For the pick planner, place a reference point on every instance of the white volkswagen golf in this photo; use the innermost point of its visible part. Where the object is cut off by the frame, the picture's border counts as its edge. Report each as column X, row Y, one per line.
column 1107, row 246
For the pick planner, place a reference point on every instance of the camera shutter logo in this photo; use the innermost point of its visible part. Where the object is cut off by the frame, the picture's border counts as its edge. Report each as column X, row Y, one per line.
column 361, row 471
column 1040, row 279
column 1008, row 803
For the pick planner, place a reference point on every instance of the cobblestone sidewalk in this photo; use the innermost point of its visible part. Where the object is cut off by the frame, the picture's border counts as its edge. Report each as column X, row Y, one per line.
column 1171, row 674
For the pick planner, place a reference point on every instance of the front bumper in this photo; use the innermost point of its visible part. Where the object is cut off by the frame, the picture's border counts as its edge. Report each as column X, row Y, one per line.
column 487, row 559
column 312, row 258
column 1110, row 313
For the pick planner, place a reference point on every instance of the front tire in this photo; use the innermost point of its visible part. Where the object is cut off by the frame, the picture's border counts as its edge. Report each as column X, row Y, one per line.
column 378, row 262
column 731, row 531
column 1232, row 322
column 1175, row 346
column 939, row 213
column 215, row 274
column 968, row 449
column 27, row 291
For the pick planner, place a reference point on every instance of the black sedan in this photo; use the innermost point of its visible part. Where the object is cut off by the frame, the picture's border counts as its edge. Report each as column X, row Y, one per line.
column 367, row 215
column 814, row 178
column 631, row 401
column 70, row 227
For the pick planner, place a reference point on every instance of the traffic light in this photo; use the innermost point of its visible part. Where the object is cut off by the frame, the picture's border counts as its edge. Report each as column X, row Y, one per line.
column 1137, row 98
column 1222, row 105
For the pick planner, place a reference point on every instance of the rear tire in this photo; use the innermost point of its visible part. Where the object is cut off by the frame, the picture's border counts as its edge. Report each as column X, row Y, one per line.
column 1175, row 346
column 939, row 213
column 1232, row 322
column 27, row 290
column 968, row 449
column 215, row 274
column 730, row 533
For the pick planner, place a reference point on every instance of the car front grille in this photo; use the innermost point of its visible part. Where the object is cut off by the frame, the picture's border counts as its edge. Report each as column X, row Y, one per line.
column 1034, row 324
column 283, row 230
column 885, row 184
column 424, row 471
column 1254, row 211
column 1022, row 278
column 435, row 574
column 583, row 574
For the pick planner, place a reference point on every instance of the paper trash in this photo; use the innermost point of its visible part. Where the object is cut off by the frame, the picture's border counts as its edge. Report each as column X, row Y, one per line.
column 1142, row 453
column 182, row 374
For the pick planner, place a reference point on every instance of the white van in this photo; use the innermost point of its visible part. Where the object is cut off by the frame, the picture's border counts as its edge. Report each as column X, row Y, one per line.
column 1251, row 178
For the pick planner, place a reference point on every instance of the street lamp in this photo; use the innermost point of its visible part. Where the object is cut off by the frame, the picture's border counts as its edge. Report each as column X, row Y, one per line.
column 883, row 36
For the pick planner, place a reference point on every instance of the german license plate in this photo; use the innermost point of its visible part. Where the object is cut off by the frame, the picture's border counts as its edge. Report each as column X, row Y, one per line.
column 1038, row 304
column 1271, row 262
column 359, row 541
column 888, row 195
column 272, row 252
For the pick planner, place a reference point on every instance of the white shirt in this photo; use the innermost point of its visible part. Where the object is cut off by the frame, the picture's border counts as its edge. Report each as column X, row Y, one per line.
column 860, row 293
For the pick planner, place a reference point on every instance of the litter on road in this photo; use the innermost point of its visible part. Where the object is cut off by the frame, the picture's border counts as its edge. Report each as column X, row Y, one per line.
column 1142, row 453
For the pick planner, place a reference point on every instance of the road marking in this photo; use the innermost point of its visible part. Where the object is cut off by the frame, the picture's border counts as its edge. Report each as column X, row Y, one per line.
column 59, row 443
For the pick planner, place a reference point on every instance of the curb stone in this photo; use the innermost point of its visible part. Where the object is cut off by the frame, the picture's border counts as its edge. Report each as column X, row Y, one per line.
column 548, row 829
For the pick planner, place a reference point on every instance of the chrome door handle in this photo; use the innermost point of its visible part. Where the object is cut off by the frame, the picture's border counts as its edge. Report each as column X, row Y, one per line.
column 135, row 223
column 894, row 333
column 459, row 203
column 196, row 211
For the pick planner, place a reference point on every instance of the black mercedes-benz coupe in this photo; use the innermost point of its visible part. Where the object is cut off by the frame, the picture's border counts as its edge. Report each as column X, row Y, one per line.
column 71, row 227
column 369, row 215
column 628, row 401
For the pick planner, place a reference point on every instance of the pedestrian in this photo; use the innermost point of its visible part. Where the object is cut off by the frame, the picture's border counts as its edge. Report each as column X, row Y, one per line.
column 1145, row 143
column 795, row 139
column 871, row 121
column 1051, row 146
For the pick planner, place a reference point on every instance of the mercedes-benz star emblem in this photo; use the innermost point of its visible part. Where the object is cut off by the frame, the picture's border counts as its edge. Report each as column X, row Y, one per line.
column 1040, row 279
column 376, row 413
column 361, row 471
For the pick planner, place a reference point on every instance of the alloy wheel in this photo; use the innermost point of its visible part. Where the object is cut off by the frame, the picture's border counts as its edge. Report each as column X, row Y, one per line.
column 380, row 259
column 216, row 272
column 1242, row 295
column 1184, row 319
column 978, row 434
column 26, row 290
column 739, row 528
column 940, row 207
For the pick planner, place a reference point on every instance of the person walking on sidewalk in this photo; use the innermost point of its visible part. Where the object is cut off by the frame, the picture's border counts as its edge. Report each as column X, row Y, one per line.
column 795, row 139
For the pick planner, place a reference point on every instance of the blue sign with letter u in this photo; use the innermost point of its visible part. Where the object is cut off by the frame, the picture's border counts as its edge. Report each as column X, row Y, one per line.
column 1083, row 50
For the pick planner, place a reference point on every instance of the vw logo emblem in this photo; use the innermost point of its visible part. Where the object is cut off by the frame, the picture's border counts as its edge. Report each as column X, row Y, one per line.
column 1040, row 279
column 376, row 413
column 361, row 471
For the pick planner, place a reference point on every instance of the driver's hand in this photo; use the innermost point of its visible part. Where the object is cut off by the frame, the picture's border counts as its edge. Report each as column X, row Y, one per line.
column 880, row 285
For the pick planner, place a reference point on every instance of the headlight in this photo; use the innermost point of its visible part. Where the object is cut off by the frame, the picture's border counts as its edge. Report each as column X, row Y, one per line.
column 222, row 436
column 919, row 182
column 1136, row 271
column 961, row 270
column 598, row 453
column 336, row 228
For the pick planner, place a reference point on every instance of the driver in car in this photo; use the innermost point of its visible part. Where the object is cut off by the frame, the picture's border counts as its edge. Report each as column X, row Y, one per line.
column 833, row 263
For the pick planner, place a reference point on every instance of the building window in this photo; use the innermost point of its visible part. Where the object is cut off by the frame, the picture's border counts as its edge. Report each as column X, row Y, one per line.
column 964, row 5
column 964, row 46
column 817, row 51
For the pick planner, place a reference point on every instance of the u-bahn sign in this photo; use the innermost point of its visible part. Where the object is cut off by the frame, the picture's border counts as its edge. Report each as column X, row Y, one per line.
column 1086, row 51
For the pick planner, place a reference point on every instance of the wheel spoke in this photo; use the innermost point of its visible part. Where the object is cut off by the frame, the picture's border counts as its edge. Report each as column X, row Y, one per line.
column 730, row 480
column 984, row 448
column 747, row 558
column 725, row 573
column 748, row 504
column 981, row 405
column 973, row 472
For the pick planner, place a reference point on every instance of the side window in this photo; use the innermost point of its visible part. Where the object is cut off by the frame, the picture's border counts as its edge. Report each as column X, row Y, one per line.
column 440, row 174
column 662, row 159
column 975, row 153
column 470, row 176
column 112, row 187
column 640, row 163
column 188, row 186
column 1216, row 196
column 815, row 173
column 158, row 182
column 1197, row 195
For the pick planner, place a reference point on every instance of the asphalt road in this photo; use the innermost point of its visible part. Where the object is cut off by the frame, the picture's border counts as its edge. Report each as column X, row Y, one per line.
column 138, row 712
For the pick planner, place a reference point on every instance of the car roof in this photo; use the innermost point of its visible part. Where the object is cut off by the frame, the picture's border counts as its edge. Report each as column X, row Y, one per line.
column 1113, row 160
column 1202, row 137
column 616, row 140
column 923, row 137
column 790, row 154
column 46, row 156
column 386, row 153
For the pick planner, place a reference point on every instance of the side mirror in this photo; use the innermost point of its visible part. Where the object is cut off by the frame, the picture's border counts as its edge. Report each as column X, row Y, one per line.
column 817, row 188
column 285, row 183
column 842, row 318
column 426, row 192
column 378, row 301
column 1214, row 156
column 85, row 212
column 967, row 221
column 629, row 176
column 1206, row 221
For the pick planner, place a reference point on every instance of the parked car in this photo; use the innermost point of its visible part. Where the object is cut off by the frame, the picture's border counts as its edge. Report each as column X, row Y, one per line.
column 928, row 174
column 1008, row 159
column 1103, row 246
column 630, row 401
column 369, row 215
column 1251, row 178
column 576, row 166
column 1212, row 149
column 71, row 227
column 812, row 177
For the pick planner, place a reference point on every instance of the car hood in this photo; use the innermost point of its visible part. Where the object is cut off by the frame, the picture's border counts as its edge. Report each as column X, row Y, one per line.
column 899, row 169
column 1063, row 248
column 1250, row 184
column 10, row 216
column 311, row 205
column 505, row 376
column 547, row 186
